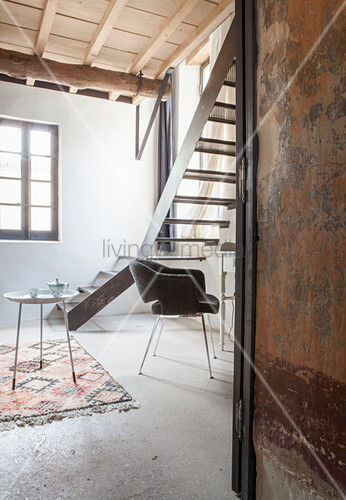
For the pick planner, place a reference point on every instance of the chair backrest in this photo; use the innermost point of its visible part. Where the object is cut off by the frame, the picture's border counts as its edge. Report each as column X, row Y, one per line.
column 145, row 274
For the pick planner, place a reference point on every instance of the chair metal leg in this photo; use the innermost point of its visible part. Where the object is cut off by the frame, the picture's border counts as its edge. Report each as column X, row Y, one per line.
column 149, row 343
column 158, row 338
column 206, row 345
column 211, row 335
column 17, row 344
column 69, row 342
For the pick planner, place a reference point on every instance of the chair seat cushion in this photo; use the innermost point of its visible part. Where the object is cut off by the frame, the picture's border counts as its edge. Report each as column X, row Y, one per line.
column 209, row 305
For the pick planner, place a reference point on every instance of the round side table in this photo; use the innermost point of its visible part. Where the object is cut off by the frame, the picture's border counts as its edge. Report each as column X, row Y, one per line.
column 44, row 297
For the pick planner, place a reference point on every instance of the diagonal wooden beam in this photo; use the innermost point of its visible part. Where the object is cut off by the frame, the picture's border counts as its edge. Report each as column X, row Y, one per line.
column 207, row 26
column 25, row 66
column 109, row 19
column 45, row 26
column 168, row 27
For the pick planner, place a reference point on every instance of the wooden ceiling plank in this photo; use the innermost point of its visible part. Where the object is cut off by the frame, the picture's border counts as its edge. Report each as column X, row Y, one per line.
column 210, row 23
column 45, row 27
column 22, row 66
column 105, row 27
column 170, row 25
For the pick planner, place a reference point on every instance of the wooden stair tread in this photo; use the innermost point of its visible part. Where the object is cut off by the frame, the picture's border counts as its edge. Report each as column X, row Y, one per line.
column 198, row 222
column 109, row 273
column 88, row 288
column 69, row 306
column 207, row 241
column 223, row 112
column 229, row 83
column 174, row 257
column 215, row 146
column 204, row 200
column 210, row 175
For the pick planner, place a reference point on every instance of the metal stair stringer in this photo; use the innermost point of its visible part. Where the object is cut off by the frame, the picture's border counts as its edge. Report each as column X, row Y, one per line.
column 116, row 285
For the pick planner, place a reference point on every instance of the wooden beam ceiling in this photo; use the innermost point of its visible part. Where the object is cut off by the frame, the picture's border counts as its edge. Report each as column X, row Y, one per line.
column 119, row 37
column 109, row 19
column 169, row 26
column 198, row 35
column 45, row 26
column 25, row 66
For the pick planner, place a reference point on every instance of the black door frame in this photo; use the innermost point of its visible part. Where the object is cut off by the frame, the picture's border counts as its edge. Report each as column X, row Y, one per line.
column 243, row 455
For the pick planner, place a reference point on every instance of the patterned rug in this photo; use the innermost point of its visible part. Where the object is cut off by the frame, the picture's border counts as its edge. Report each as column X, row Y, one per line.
column 50, row 394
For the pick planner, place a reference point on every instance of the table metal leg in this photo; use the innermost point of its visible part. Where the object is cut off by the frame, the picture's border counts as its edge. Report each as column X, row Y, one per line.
column 69, row 342
column 41, row 336
column 17, row 344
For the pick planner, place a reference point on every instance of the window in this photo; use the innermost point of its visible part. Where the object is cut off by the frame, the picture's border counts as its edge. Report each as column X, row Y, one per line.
column 28, row 180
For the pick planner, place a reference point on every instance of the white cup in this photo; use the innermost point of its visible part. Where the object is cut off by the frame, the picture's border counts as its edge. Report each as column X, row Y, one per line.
column 33, row 292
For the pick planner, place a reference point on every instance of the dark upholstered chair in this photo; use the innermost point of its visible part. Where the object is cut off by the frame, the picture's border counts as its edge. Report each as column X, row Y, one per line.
column 177, row 292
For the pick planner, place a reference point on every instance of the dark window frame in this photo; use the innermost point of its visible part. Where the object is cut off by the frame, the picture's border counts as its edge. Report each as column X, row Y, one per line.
column 25, row 233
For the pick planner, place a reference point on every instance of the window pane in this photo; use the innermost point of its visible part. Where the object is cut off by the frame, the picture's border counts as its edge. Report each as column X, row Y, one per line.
column 40, row 168
column 40, row 193
column 10, row 138
column 40, row 142
column 41, row 219
column 10, row 217
column 10, row 165
column 10, row 191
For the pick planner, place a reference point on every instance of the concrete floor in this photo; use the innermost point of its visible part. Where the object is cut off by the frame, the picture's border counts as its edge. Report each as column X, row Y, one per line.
column 176, row 446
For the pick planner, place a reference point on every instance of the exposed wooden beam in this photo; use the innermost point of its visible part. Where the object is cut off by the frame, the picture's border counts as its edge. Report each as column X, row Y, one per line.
column 137, row 100
column 113, row 96
column 207, row 26
column 170, row 25
column 200, row 55
column 104, row 28
column 45, row 26
column 23, row 66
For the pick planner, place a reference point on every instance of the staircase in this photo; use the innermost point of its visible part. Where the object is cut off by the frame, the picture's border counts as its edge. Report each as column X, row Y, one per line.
column 110, row 284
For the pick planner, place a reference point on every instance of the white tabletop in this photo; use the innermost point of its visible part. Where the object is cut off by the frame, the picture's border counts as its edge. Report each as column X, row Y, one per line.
column 44, row 297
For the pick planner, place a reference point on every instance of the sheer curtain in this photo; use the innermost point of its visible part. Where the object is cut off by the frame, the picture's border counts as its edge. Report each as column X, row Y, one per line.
column 214, row 162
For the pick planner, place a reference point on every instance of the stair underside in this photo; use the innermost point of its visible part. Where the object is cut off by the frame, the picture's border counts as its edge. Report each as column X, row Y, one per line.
column 198, row 222
column 209, row 175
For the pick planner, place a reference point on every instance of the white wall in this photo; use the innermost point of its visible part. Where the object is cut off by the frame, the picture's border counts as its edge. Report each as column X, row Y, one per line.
column 105, row 193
